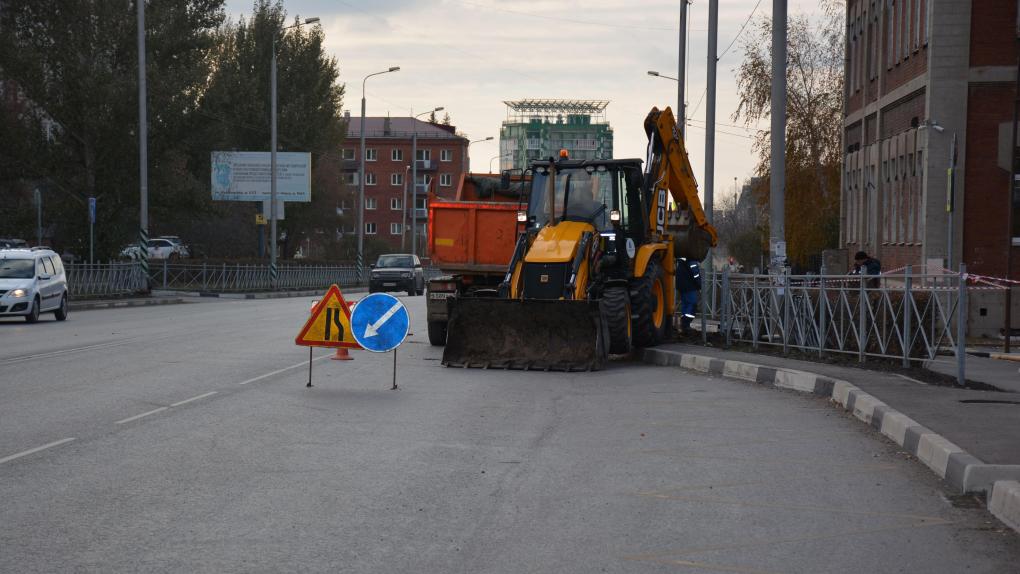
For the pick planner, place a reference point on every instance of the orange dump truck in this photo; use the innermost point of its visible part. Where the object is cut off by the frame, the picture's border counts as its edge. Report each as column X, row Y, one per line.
column 471, row 240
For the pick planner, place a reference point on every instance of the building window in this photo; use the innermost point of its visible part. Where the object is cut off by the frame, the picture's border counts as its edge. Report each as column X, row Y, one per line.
column 396, row 179
column 371, row 203
column 420, row 203
column 397, row 154
column 423, row 183
column 370, row 228
column 395, row 203
column 445, row 180
column 369, row 178
column 890, row 11
column 394, row 229
column 349, row 178
column 424, row 155
column 370, row 154
column 347, row 153
column 446, row 155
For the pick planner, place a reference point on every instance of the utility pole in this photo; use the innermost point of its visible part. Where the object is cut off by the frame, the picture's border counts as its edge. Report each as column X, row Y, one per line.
column 1011, row 195
column 272, row 169
column 38, row 217
column 143, row 149
column 777, row 163
column 681, row 109
column 713, row 60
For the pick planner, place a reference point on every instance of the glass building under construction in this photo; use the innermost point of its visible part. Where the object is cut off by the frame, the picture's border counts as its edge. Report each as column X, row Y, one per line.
column 539, row 129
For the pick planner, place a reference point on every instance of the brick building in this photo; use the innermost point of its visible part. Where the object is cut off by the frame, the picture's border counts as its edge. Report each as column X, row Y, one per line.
column 442, row 158
column 919, row 75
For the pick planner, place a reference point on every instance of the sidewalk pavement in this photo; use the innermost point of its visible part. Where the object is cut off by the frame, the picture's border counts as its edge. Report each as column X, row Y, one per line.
column 971, row 438
column 1001, row 374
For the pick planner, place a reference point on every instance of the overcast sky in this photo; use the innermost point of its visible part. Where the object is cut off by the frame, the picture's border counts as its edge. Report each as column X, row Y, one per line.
column 471, row 55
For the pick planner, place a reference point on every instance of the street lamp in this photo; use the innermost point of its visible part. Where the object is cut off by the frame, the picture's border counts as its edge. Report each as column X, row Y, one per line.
column 500, row 156
column 681, row 112
column 272, row 154
column 361, row 178
column 414, row 177
column 467, row 157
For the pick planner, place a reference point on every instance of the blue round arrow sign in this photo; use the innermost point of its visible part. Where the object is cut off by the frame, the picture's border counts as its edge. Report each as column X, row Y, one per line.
column 380, row 322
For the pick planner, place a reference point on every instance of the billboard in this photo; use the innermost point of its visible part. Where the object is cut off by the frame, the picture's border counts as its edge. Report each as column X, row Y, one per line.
column 244, row 176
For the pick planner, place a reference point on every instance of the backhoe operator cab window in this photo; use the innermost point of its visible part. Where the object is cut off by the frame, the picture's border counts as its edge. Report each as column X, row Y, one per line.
column 580, row 194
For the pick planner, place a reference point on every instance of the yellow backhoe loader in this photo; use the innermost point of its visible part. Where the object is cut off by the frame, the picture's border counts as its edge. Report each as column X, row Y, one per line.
column 592, row 270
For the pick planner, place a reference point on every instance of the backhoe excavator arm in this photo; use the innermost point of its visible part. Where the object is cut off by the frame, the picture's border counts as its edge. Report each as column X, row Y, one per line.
column 668, row 168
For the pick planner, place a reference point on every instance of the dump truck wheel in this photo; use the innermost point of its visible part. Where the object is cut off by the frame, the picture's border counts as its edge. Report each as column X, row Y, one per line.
column 648, row 296
column 616, row 313
column 437, row 333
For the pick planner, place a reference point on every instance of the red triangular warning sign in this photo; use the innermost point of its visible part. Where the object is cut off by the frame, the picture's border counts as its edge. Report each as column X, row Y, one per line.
column 330, row 323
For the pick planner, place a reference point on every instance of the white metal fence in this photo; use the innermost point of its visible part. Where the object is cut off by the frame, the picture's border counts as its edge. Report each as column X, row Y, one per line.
column 903, row 316
column 104, row 279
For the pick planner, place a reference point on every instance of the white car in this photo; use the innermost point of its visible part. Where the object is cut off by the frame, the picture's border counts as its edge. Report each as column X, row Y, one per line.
column 159, row 248
column 32, row 281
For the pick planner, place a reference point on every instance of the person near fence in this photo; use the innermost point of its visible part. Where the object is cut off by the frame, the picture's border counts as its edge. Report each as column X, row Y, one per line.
column 864, row 264
column 688, row 282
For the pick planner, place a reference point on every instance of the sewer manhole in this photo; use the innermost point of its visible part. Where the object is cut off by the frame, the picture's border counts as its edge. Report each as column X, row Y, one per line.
column 989, row 402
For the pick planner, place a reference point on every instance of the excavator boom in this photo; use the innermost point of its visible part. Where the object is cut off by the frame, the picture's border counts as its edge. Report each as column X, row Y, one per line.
column 670, row 168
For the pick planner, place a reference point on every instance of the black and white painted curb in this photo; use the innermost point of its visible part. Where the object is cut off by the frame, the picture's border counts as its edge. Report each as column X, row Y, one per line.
column 117, row 304
column 962, row 471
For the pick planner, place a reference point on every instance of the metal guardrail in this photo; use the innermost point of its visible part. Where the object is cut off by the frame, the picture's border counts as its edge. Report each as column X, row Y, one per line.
column 225, row 277
column 126, row 278
column 904, row 316
column 104, row 279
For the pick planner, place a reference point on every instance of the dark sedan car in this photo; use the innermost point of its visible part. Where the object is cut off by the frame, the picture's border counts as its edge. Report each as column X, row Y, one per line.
column 397, row 272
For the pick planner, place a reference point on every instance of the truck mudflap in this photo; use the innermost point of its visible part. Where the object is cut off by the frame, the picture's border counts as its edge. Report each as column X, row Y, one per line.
column 490, row 333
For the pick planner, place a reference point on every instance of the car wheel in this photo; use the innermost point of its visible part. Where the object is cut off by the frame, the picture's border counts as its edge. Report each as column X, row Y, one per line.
column 33, row 315
column 62, row 312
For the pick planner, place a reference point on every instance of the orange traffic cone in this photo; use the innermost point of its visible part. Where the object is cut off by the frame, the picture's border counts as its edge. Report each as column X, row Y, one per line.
column 341, row 355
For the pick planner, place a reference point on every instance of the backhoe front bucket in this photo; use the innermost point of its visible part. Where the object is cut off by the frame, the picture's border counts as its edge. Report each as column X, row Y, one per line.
column 525, row 334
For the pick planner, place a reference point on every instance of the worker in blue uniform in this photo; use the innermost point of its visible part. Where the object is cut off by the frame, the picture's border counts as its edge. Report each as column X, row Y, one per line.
column 688, row 282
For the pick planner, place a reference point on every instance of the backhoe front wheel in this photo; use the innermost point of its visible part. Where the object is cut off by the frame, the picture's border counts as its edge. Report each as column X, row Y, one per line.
column 616, row 315
column 648, row 296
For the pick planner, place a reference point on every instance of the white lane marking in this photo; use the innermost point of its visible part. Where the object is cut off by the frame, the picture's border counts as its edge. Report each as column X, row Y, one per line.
column 373, row 329
column 35, row 450
column 278, row 371
column 186, row 401
column 145, row 414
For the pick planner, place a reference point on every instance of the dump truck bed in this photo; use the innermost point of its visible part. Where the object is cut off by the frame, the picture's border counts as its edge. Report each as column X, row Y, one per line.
column 472, row 237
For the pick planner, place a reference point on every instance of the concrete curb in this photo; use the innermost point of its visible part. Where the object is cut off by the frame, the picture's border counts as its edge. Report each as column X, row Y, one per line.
column 964, row 472
column 267, row 295
column 1004, row 503
column 92, row 305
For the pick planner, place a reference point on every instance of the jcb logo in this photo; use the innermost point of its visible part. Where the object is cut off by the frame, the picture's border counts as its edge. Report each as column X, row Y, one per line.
column 660, row 211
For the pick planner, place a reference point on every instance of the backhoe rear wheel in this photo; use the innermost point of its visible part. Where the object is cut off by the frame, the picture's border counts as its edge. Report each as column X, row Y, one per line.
column 616, row 314
column 648, row 296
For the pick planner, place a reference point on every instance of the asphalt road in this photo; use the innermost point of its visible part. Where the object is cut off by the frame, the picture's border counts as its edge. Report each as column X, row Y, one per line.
column 182, row 439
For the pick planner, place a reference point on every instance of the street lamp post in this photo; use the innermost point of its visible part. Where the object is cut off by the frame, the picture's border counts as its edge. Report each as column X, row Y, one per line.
column 495, row 157
column 361, row 179
column 681, row 119
column 467, row 159
column 414, row 177
column 272, row 155
column 403, row 205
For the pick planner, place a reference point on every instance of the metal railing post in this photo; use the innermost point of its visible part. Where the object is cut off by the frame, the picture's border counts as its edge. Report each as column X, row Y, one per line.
column 823, row 307
column 908, row 336
column 961, row 328
column 754, row 310
column 726, row 321
column 861, row 320
column 203, row 276
column 165, row 264
column 786, row 310
column 706, row 307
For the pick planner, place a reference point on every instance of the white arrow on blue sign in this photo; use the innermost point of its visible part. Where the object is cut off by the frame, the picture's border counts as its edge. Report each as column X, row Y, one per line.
column 380, row 322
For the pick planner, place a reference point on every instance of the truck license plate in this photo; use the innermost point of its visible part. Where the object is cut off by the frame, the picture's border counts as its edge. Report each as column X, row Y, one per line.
column 440, row 295
column 389, row 284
